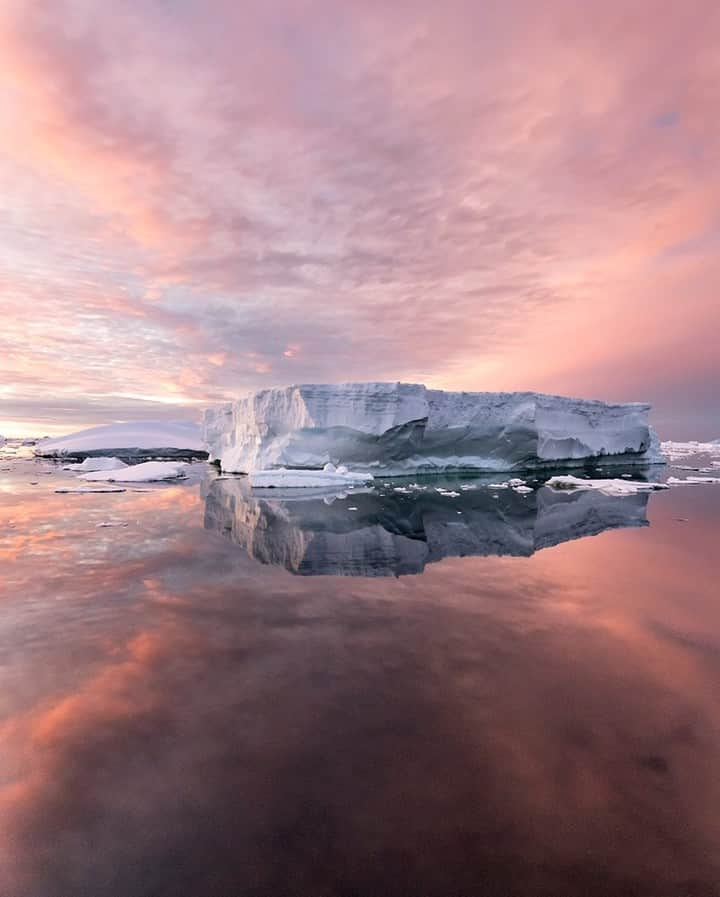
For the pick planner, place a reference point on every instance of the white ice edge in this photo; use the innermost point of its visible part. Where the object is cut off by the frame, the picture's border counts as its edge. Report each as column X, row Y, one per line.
column 609, row 487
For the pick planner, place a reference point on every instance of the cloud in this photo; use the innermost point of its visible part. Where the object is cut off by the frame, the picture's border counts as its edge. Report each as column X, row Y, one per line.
column 450, row 194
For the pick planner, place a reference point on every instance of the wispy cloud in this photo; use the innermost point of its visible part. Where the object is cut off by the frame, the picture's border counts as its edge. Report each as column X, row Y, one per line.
column 199, row 198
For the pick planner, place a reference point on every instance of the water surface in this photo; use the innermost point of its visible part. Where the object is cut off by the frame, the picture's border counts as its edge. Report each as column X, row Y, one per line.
column 522, row 700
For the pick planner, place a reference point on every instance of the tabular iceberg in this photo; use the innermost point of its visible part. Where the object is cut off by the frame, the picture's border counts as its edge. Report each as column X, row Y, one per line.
column 400, row 428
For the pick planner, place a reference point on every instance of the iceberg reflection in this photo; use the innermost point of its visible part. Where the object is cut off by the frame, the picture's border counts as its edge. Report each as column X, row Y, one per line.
column 386, row 533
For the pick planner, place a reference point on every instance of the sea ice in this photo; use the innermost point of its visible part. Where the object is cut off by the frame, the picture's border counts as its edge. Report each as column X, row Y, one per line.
column 87, row 490
column 399, row 428
column 609, row 487
column 693, row 481
column 148, row 472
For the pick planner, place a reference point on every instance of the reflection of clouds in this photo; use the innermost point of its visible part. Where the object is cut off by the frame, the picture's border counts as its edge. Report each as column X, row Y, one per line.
column 383, row 533
column 496, row 725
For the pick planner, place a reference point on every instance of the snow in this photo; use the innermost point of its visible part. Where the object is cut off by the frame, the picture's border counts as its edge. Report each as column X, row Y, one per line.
column 609, row 487
column 148, row 472
column 303, row 479
column 399, row 428
column 693, row 481
column 100, row 463
column 160, row 437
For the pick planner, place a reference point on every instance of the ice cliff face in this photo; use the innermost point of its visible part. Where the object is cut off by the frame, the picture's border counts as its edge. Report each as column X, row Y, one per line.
column 397, row 428
column 371, row 534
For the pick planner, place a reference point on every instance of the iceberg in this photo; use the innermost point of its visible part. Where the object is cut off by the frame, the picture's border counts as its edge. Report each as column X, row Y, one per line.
column 396, row 429
column 141, row 439
column 390, row 534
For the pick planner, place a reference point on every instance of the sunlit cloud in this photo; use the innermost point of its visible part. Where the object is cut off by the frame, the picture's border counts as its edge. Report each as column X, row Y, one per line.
column 202, row 198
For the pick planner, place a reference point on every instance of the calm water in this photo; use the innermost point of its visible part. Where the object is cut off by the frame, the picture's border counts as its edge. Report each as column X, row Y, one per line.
column 522, row 698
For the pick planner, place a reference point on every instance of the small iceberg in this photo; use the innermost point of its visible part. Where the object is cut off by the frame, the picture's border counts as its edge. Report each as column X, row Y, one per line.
column 298, row 478
column 138, row 439
column 609, row 487
column 148, row 472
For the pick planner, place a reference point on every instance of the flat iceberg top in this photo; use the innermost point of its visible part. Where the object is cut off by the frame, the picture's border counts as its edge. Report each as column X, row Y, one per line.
column 398, row 428
column 143, row 436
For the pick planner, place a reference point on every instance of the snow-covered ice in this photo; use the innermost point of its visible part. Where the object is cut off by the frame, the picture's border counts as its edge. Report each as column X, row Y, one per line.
column 609, row 487
column 147, row 472
column 693, row 481
column 98, row 463
column 165, row 438
column 399, row 428
column 330, row 475
column 87, row 490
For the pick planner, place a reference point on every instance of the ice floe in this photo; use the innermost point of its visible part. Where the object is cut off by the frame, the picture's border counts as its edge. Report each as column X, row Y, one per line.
column 87, row 490
column 693, row 481
column 609, row 487
column 147, row 472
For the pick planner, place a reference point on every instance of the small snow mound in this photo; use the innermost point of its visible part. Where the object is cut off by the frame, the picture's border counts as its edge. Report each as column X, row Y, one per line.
column 609, row 487
column 148, row 472
column 101, row 463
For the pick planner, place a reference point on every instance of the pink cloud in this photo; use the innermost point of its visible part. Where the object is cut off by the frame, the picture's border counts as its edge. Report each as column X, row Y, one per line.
column 477, row 197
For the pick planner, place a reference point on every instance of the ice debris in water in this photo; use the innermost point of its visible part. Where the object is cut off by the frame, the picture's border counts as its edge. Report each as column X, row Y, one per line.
column 609, row 487
column 693, row 481
column 147, row 472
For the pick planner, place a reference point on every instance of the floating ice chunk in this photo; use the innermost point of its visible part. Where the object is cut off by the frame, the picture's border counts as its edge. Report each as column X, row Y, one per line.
column 305, row 478
column 609, row 487
column 148, row 472
column 522, row 489
column 693, row 481
column 98, row 463
column 107, row 523
column 81, row 490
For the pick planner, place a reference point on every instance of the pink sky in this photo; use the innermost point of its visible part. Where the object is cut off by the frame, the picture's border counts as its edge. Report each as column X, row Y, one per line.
column 202, row 197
